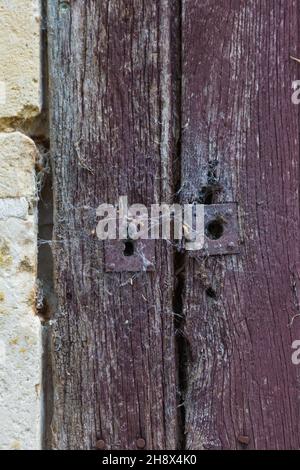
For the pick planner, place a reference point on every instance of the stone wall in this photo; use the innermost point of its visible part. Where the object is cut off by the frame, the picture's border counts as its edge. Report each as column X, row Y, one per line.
column 20, row 330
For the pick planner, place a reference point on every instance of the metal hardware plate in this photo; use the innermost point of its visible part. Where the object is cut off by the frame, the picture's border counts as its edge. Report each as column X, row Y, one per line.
column 221, row 230
column 221, row 238
column 142, row 258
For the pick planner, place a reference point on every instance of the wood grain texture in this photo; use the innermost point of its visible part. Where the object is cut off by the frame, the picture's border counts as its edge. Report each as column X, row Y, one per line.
column 111, row 135
column 241, row 131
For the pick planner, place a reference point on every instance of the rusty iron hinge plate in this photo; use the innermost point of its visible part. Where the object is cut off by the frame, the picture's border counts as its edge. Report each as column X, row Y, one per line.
column 129, row 255
column 221, row 230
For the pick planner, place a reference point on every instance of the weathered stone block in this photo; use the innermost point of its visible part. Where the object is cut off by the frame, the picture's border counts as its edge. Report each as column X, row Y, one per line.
column 20, row 342
column 20, row 83
column 17, row 165
column 20, row 350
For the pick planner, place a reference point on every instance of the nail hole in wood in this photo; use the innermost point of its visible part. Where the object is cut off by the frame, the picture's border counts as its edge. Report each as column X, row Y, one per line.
column 64, row 5
column 209, row 193
column 210, row 292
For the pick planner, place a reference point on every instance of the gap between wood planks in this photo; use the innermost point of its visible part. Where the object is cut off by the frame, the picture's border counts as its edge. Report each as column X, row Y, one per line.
column 181, row 343
column 46, row 300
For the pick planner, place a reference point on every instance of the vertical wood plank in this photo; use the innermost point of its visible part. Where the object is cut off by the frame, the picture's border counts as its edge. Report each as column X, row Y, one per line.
column 241, row 132
column 111, row 135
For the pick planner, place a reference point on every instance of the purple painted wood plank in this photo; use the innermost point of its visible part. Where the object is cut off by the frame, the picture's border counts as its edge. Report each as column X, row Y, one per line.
column 240, row 133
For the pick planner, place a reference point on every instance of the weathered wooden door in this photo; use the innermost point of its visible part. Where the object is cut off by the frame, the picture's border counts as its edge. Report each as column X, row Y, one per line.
column 166, row 100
